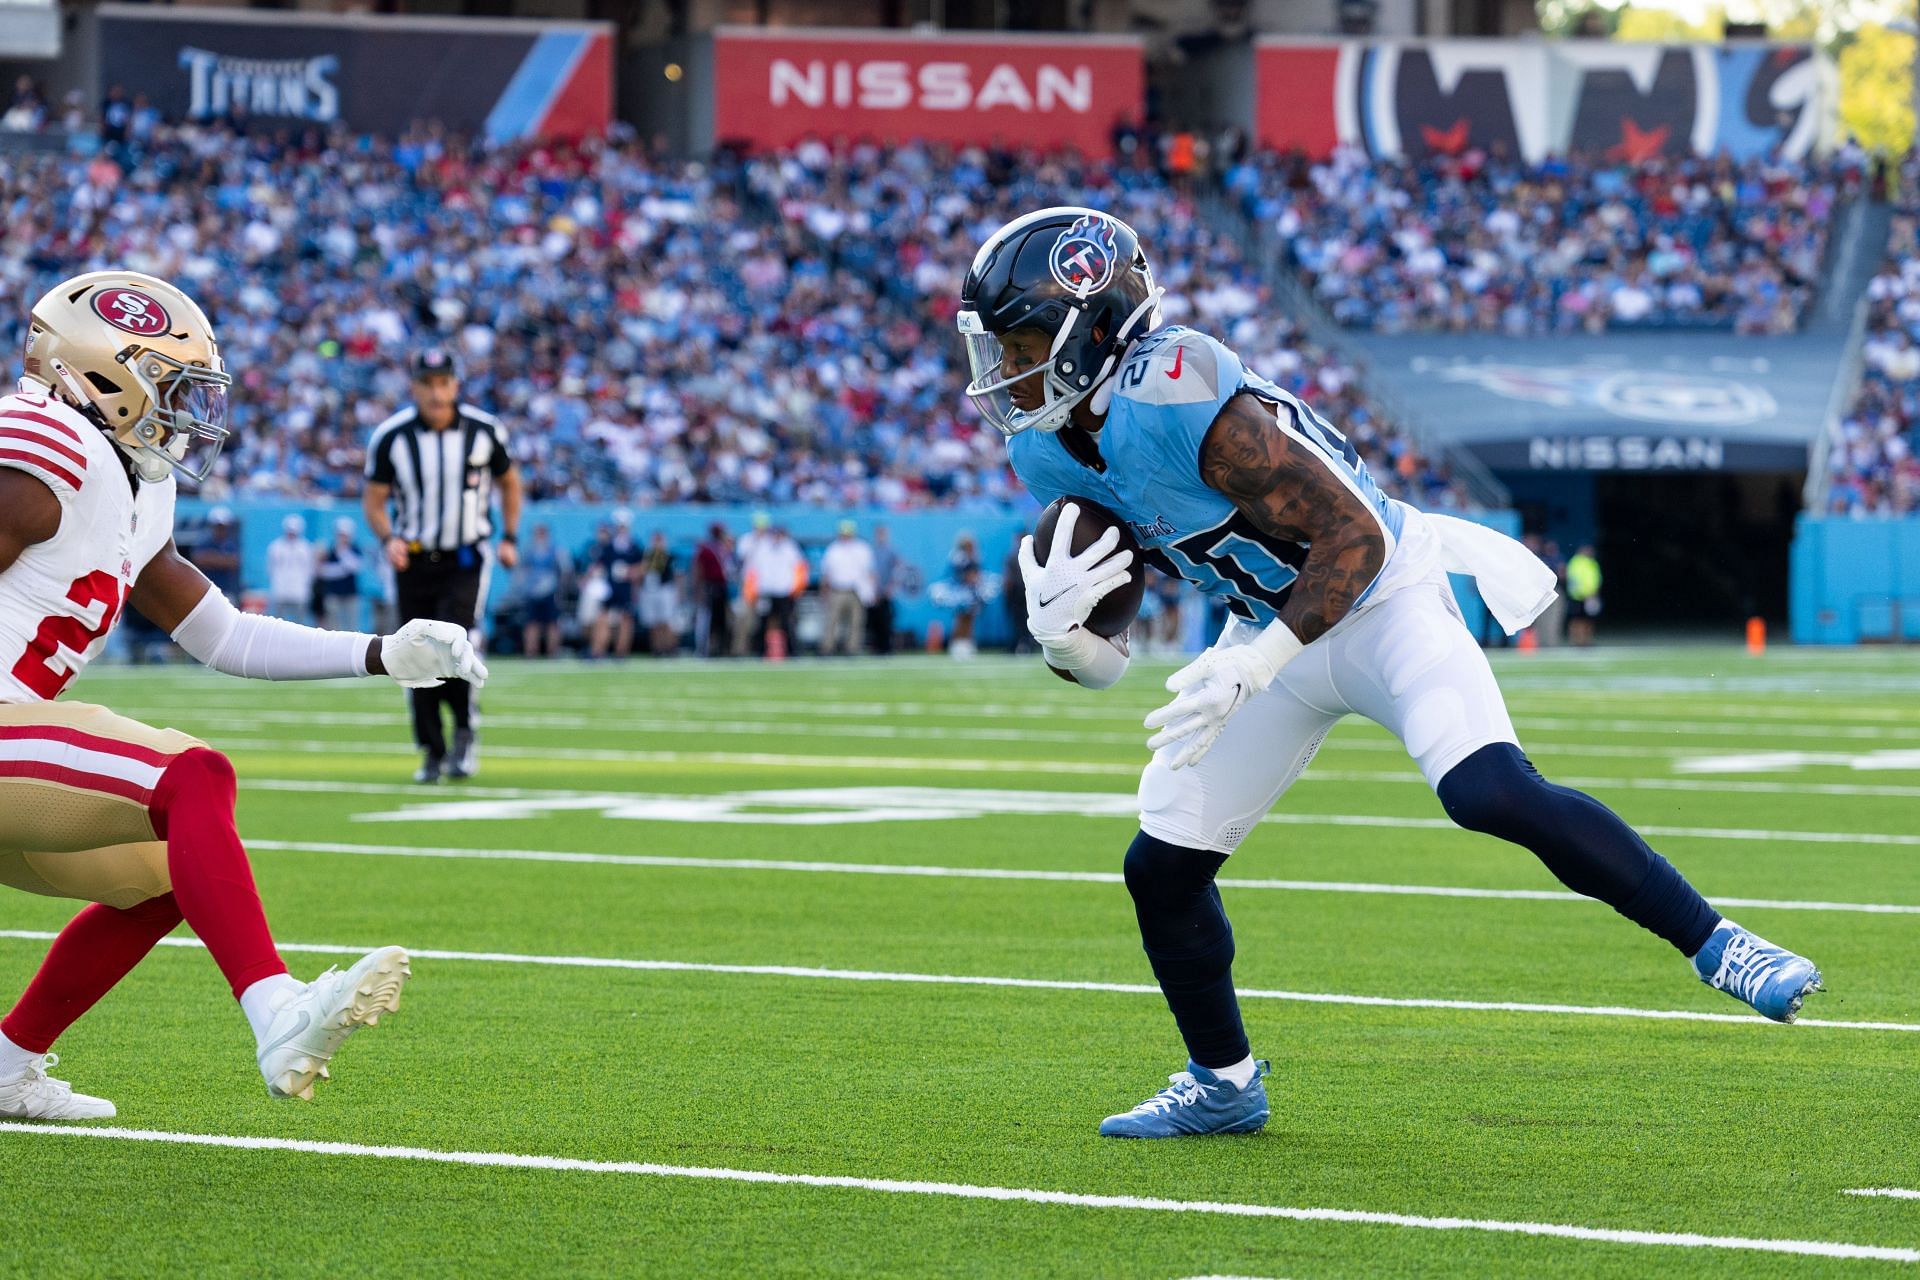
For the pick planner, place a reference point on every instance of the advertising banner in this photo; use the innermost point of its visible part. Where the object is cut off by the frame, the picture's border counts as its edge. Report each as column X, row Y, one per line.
column 1412, row 99
column 1616, row 402
column 773, row 89
column 505, row 78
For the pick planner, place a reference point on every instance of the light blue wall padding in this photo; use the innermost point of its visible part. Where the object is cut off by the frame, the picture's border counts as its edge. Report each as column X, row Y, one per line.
column 1854, row 580
column 923, row 538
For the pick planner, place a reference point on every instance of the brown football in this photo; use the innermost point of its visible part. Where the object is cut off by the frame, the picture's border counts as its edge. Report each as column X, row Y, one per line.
column 1113, row 615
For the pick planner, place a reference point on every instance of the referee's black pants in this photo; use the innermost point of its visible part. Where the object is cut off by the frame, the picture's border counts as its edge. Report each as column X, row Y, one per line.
column 443, row 586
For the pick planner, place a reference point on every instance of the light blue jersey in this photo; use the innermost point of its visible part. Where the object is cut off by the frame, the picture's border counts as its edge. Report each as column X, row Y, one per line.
column 1174, row 383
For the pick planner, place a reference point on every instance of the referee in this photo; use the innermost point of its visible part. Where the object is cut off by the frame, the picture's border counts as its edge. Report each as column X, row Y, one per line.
column 431, row 471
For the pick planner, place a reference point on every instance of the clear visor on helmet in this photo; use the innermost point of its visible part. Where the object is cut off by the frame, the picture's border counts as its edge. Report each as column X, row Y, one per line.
column 992, row 389
column 187, row 425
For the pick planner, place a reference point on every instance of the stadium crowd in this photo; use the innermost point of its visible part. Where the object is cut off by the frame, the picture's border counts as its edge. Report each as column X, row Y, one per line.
column 1483, row 242
column 768, row 330
column 1871, row 459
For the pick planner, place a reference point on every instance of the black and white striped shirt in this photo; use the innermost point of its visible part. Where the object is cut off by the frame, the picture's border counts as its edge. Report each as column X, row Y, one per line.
column 442, row 480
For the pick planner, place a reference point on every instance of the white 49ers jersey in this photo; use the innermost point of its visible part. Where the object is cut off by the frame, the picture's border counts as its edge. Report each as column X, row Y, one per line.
column 62, row 596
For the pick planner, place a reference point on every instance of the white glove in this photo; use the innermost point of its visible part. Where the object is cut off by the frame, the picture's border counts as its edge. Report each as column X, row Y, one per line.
column 1064, row 590
column 1214, row 686
column 422, row 654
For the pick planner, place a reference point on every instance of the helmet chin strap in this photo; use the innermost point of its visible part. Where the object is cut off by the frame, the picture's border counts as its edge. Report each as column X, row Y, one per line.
column 148, row 462
column 76, row 386
column 1149, row 310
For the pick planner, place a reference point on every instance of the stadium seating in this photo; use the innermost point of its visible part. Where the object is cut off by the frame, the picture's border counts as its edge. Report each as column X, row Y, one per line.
column 1479, row 242
column 1871, row 460
column 773, row 330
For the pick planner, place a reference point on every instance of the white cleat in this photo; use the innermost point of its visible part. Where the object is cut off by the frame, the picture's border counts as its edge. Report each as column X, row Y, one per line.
column 34, row 1095
column 309, row 1028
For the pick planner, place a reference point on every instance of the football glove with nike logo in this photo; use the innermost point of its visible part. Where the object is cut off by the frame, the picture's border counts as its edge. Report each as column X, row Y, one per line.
column 1064, row 590
column 1214, row 686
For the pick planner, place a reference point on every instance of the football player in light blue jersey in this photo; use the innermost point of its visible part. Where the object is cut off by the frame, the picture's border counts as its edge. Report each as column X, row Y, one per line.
column 1341, row 606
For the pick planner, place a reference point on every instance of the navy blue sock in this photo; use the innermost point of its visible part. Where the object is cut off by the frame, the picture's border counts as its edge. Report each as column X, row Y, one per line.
column 1587, row 845
column 1188, row 941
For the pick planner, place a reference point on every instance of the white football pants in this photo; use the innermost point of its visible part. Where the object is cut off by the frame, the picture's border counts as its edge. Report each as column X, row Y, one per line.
column 1406, row 662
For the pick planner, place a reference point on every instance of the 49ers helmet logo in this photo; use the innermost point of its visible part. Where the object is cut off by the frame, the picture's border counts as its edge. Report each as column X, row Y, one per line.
column 132, row 310
column 1083, row 258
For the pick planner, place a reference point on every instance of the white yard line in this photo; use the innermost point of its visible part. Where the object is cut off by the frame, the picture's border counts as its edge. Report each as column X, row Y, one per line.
column 1001, row 873
column 1890, row 1193
column 1731, row 719
column 973, row 1191
column 360, row 746
column 770, row 759
column 820, row 719
column 816, row 973
column 1709, row 786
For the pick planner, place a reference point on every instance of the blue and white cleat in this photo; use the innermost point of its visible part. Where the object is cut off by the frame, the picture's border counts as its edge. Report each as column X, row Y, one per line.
column 1194, row 1103
column 1747, row 967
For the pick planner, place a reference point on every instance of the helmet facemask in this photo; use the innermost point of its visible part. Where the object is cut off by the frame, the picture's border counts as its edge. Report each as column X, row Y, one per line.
column 185, row 424
column 138, row 357
column 1063, row 385
column 1093, row 296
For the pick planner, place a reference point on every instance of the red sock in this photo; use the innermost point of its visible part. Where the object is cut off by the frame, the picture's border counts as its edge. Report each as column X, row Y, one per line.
column 96, row 949
column 212, row 880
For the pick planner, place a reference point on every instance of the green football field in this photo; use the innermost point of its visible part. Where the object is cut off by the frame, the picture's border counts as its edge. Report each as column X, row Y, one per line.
column 827, row 969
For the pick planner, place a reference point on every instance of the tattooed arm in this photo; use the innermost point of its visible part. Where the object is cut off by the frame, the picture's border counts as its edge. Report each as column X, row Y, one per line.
column 1286, row 488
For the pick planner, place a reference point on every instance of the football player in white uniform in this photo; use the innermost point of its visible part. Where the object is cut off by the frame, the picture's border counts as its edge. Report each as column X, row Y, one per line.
column 124, row 387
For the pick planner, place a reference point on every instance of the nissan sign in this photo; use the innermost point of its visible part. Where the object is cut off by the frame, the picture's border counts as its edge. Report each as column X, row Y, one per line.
column 773, row 90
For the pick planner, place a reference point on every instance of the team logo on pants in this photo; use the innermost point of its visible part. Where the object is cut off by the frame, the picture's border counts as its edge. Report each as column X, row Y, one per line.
column 131, row 310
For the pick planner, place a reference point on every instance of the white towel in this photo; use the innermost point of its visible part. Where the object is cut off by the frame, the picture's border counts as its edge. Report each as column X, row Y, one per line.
column 1516, row 584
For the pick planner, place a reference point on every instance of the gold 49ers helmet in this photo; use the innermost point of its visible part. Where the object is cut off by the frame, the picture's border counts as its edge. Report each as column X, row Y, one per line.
column 137, row 355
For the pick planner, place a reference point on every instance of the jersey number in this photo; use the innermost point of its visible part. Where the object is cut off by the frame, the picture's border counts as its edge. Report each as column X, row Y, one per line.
column 52, row 658
column 1204, row 548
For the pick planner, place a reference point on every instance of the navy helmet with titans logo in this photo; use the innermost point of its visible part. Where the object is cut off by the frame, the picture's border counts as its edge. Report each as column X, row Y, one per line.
column 1077, row 275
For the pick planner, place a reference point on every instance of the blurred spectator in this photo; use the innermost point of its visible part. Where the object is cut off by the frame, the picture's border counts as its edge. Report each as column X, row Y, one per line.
column 712, row 577
column 774, row 573
column 544, row 570
column 1013, row 598
column 963, row 568
column 339, row 579
column 1583, row 596
column 217, row 553
column 846, row 576
column 1166, row 635
column 617, row 557
column 657, row 597
column 887, row 570
column 1550, row 629
column 746, row 619
column 594, row 588
column 290, row 571
column 116, row 119
column 27, row 110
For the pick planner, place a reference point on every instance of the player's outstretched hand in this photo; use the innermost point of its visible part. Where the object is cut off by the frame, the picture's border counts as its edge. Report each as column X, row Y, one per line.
column 422, row 654
column 1210, row 688
column 1063, row 591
